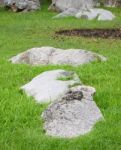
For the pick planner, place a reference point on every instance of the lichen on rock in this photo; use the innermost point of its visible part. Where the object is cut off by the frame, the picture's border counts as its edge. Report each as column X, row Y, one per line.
column 72, row 115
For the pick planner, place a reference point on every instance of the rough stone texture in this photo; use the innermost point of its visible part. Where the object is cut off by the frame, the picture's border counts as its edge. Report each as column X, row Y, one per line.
column 50, row 85
column 80, row 9
column 73, row 112
column 72, row 115
column 62, row 5
column 50, row 55
column 22, row 5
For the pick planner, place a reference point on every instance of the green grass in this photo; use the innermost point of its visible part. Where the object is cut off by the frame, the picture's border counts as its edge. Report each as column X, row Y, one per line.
column 20, row 121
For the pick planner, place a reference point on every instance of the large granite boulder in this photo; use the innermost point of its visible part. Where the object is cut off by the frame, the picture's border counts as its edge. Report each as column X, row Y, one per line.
column 72, row 115
column 22, row 5
column 50, row 55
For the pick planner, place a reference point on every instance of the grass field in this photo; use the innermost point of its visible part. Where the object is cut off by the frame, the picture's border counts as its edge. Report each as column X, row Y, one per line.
column 20, row 121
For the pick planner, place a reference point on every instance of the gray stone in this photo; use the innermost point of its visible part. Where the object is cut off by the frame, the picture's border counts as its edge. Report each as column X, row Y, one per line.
column 50, row 55
column 73, row 112
column 72, row 115
column 67, row 13
column 63, row 5
column 50, row 85
column 95, row 13
column 22, row 5
column 100, row 14
column 80, row 9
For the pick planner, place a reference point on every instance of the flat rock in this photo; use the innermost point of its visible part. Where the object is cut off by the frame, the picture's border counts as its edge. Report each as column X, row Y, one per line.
column 72, row 115
column 50, row 55
column 90, row 14
column 50, row 85
column 100, row 14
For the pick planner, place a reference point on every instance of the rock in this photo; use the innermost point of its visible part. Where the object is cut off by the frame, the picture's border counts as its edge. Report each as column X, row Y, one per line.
column 50, row 85
column 63, row 5
column 50, row 55
column 88, row 91
column 67, row 13
column 22, row 5
column 73, row 112
column 95, row 13
column 80, row 9
column 100, row 14
column 72, row 115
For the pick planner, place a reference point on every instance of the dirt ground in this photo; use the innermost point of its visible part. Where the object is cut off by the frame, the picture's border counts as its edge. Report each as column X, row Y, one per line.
column 102, row 33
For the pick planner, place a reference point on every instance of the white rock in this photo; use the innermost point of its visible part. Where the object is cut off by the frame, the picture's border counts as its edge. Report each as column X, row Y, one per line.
column 104, row 14
column 73, row 115
column 74, row 112
column 89, row 14
column 47, row 87
column 34, row 56
column 100, row 14
column 22, row 5
column 80, row 9
column 50, row 55
column 63, row 5
column 67, row 13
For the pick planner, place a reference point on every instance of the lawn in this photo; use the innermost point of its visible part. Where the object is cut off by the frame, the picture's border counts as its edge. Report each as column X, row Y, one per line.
column 20, row 116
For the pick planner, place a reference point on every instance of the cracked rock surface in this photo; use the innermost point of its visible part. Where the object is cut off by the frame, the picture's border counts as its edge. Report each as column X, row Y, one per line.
column 56, row 56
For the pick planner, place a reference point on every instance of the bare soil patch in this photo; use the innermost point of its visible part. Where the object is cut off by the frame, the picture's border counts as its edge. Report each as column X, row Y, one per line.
column 93, row 33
